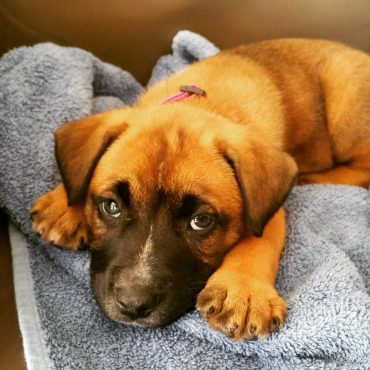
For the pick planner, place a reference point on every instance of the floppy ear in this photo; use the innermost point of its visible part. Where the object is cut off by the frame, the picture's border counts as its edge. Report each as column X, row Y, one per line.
column 265, row 176
column 78, row 147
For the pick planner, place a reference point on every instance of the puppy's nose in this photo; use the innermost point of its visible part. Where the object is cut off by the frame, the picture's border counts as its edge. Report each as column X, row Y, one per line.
column 138, row 304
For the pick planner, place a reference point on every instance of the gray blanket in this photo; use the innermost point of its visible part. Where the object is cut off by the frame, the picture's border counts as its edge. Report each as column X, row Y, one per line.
column 325, row 268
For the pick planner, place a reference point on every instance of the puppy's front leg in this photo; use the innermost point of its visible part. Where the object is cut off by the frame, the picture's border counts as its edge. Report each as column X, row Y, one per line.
column 240, row 299
column 58, row 223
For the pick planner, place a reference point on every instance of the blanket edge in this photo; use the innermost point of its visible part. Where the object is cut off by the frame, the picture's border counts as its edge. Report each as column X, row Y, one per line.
column 34, row 347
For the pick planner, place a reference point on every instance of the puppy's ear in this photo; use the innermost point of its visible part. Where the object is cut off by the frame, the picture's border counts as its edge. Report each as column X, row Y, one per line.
column 265, row 176
column 78, row 147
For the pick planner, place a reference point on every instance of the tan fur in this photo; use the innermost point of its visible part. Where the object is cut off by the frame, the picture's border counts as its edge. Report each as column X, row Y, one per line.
column 271, row 108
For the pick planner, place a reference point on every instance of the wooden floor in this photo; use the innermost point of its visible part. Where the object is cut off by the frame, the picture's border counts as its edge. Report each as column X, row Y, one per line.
column 11, row 351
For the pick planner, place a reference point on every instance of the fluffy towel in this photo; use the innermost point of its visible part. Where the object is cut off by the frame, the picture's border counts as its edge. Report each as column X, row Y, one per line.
column 325, row 268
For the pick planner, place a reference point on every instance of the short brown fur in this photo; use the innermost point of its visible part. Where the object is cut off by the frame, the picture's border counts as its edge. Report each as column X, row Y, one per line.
column 273, row 110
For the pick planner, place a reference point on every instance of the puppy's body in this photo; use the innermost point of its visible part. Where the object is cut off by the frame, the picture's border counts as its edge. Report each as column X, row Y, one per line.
column 171, row 196
column 307, row 97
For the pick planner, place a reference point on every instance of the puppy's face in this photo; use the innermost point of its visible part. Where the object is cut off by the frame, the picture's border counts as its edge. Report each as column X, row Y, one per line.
column 165, row 201
column 164, row 207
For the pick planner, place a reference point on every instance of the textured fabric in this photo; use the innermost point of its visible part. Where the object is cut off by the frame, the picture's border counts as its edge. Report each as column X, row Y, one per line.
column 325, row 268
column 34, row 347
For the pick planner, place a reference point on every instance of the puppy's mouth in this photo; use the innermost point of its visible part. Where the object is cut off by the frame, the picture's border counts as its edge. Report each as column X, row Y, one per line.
column 157, row 311
column 159, row 317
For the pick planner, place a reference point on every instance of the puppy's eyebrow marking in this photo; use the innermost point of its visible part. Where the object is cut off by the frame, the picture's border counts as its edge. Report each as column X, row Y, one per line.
column 123, row 190
column 190, row 203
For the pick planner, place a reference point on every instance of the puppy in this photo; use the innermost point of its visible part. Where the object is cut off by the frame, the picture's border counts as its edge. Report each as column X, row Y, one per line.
column 179, row 198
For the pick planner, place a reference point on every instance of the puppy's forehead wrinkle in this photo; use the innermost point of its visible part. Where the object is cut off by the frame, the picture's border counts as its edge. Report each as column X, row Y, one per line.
column 177, row 138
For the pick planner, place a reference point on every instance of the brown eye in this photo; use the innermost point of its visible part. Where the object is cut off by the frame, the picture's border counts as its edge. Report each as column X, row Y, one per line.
column 202, row 222
column 110, row 208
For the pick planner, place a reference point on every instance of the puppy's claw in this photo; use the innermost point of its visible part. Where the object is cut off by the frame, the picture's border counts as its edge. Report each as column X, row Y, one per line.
column 210, row 311
column 252, row 330
column 276, row 324
column 230, row 332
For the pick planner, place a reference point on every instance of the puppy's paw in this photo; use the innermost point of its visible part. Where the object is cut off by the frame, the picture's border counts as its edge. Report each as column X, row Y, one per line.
column 57, row 223
column 241, row 307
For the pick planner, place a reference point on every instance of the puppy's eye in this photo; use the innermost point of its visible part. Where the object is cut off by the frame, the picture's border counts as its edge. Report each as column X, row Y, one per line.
column 202, row 222
column 110, row 208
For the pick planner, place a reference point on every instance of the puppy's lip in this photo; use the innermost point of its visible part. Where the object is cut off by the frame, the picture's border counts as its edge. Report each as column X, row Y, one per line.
column 148, row 322
column 159, row 317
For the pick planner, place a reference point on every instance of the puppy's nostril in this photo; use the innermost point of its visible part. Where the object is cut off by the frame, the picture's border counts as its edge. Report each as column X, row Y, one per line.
column 143, row 310
column 135, row 311
column 121, row 304
column 134, row 305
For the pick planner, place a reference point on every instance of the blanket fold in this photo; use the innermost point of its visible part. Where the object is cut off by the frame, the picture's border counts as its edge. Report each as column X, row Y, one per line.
column 325, row 268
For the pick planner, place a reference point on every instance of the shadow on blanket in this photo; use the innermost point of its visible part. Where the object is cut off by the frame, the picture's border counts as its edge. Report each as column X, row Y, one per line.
column 325, row 269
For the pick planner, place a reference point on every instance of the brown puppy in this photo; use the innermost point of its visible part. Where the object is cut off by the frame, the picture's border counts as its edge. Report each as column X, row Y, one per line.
column 181, row 198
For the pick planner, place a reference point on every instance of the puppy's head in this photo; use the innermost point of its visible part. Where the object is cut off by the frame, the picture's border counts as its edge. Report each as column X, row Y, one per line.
column 167, row 192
